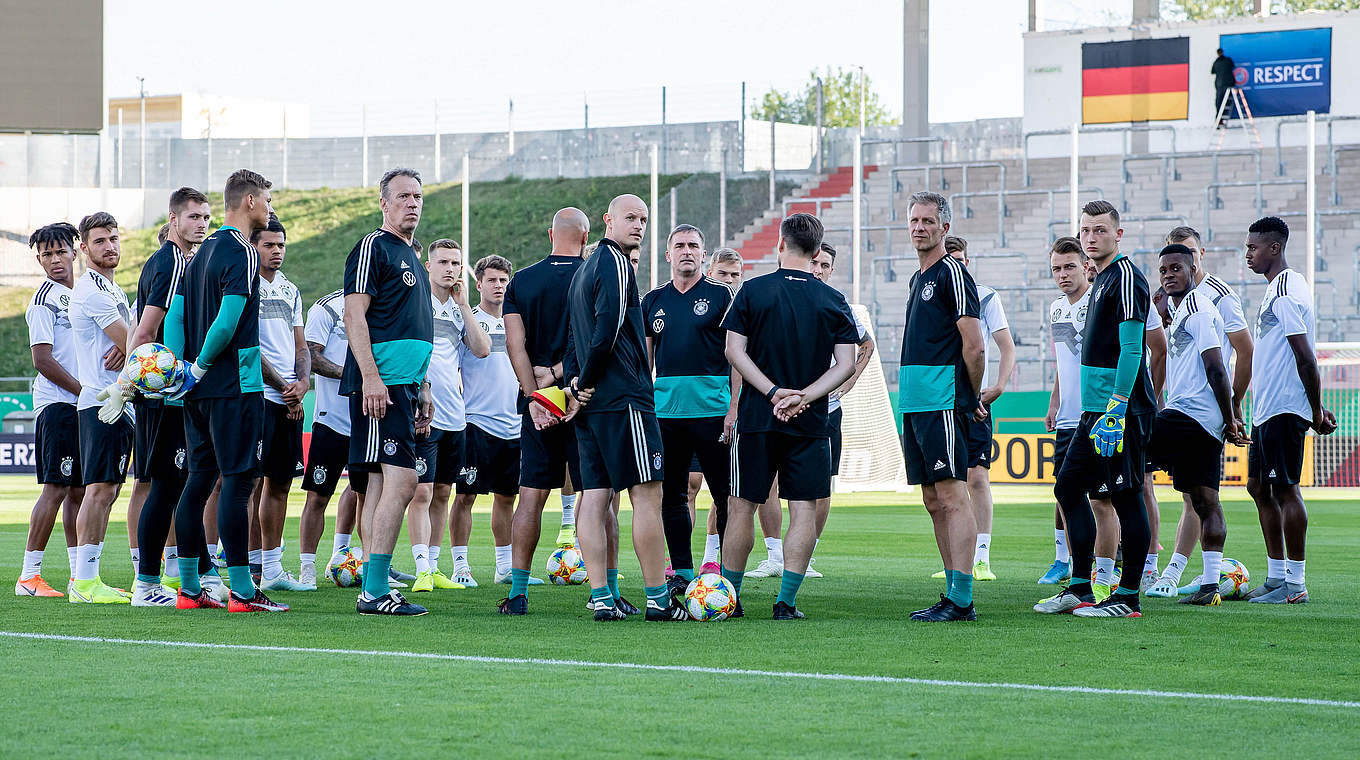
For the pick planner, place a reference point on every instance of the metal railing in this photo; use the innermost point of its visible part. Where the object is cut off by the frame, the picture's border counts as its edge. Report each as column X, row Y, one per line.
column 944, row 183
column 897, row 142
column 1170, row 172
column 1212, row 201
column 1333, row 153
column 1024, row 157
column 1142, row 220
column 1004, row 208
column 1286, row 120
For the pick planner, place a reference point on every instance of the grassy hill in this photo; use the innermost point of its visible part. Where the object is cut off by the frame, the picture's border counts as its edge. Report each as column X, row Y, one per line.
column 510, row 218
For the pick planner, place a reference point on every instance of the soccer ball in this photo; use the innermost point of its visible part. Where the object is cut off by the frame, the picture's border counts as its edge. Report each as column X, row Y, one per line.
column 566, row 567
column 348, row 572
column 1233, row 579
column 152, row 368
column 710, row 597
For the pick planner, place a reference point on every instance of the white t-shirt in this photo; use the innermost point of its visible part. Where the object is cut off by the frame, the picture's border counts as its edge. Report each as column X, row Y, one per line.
column 835, row 403
column 1196, row 327
column 1287, row 309
column 280, row 312
column 992, row 317
column 1229, row 305
column 96, row 303
column 326, row 327
column 1067, row 322
column 490, row 388
column 446, row 383
column 49, row 323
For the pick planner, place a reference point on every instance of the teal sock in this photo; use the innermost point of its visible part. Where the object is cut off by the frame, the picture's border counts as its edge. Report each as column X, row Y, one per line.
column 688, row 575
column 614, row 582
column 948, row 581
column 148, row 578
column 789, row 582
column 242, row 585
column 657, row 594
column 188, row 575
column 1126, row 591
column 961, row 590
column 519, row 582
column 734, row 577
column 602, row 594
column 375, row 577
column 211, row 571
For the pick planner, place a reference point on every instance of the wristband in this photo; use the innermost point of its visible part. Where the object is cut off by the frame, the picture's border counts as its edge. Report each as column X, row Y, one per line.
column 770, row 396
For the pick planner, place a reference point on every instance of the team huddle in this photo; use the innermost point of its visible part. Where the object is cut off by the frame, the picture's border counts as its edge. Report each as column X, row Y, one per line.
column 565, row 377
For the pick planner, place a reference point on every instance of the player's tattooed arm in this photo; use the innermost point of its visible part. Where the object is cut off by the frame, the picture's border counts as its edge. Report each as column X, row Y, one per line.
column 1324, row 422
column 302, row 370
column 272, row 378
column 320, row 364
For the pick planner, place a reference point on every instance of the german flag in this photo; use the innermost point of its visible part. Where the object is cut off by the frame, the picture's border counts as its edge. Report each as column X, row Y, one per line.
column 1135, row 80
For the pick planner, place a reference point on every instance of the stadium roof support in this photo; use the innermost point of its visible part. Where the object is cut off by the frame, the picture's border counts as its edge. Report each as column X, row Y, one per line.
column 916, row 72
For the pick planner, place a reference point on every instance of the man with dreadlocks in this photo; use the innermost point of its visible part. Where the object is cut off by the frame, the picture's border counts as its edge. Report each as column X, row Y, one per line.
column 54, row 402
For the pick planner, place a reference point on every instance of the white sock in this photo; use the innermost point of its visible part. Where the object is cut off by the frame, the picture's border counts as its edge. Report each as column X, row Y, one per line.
column 212, row 550
column 134, row 551
column 32, row 565
column 308, row 561
column 1293, row 571
column 71, row 559
column 1212, row 562
column 1104, row 570
column 815, row 541
column 710, row 548
column 271, row 562
column 983, row 551
column 421, row 553
column 87, row 562
column 1060, row 552
column 435, row 551
column 503, row 559
column 171, row 561
column 1150, row 564
column 1274, row 569
column 256, row 557
column 341, row 541
column 569, row 509
column 1176, row 567
column 774, row 548
column 460, row 561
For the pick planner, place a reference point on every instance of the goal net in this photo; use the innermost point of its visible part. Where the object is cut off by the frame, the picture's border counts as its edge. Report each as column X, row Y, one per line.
column 871, row 456
column 1336, row 457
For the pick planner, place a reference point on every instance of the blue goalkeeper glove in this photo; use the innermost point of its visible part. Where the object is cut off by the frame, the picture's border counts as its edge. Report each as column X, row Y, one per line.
column 189, row 374
column 1107, row 435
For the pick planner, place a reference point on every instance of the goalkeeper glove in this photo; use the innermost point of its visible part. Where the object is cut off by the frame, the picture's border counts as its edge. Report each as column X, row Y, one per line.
column 1107, row 435
column 115, row 396
column 189, row 374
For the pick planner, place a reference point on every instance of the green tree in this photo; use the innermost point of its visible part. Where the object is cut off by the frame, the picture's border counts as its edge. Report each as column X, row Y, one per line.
column 840, row 101
column 1194, row 10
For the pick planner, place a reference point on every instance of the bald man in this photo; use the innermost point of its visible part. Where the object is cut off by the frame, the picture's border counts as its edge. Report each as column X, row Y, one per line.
column 536, row 340
column 609, row 381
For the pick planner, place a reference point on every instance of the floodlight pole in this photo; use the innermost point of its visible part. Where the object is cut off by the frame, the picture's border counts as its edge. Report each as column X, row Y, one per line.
column 652, row 213
column 1311, row 256
column 1074, row 202
column 141, row 94
column 856, row 234
column 722, row 200
column 363, row 179
column 467, row 218
column 438, row 165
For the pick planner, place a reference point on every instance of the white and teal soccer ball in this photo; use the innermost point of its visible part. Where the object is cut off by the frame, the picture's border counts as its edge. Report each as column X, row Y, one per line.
column 710, row 597
column 152, row 368
column 566, row 567
column 1233, row 579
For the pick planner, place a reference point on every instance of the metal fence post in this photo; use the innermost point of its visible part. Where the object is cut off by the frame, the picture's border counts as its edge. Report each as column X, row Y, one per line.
column 722, row 200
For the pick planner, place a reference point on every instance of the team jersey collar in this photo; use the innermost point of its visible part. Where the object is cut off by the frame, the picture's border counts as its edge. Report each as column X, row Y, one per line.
column 227, row 227
column 92, row 272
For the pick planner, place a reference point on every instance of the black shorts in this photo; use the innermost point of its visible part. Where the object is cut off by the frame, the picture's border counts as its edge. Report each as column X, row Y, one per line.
column 159, row 452
column 699, row 438
column 327, row 454
column 547, row 456
column 1276, row 452
column 980, row 443
column 1062, row 441
column 694, row 465
column 1102, row 476
column 490, row 464
column 222, row 435
column 619, row 449
column 803, row 465
column 1185, row 450
column 390, row 440
column 104, row 449
column 281, row 444
column 439, row 456
column 57, row 441
column 833, row 423
column 935, row 446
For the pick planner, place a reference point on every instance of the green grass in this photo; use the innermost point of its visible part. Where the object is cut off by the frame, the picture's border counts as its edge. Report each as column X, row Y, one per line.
column 144, row 700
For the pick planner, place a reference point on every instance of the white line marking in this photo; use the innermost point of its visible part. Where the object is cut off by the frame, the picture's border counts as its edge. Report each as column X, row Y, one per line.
column 699, row 669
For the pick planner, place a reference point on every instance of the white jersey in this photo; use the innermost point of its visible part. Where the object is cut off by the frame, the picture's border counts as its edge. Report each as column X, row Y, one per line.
column 1196, row 327
column 49, row 322
column 835, row 403
column 490, row 388
column 446, row 382
column 96, row 303
column 1067, row 322
column 326, row 328
column 1286, row 310
column 1229, row 305
column 992, row 317
column 280, row 312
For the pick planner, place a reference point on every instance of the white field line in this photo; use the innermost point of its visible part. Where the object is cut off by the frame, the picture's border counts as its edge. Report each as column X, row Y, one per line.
column 787, row 674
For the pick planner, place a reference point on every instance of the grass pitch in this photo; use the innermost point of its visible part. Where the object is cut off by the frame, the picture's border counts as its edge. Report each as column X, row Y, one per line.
column 555, row 682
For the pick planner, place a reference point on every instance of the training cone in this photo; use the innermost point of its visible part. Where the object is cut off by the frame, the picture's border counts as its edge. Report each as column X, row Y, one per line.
column 553, row 399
